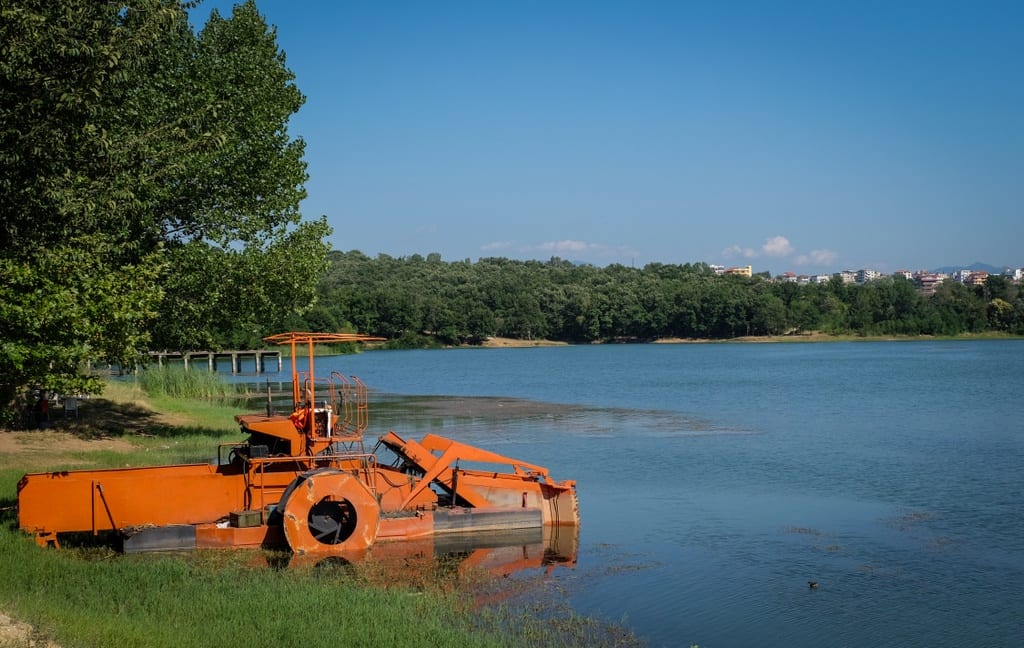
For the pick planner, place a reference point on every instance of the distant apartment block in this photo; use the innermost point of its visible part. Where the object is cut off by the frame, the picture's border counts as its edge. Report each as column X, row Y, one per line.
column 926, row 281
column 743, row 271
column 864, row 276
column 929, row 281
column 962, row 275
column 976, row 278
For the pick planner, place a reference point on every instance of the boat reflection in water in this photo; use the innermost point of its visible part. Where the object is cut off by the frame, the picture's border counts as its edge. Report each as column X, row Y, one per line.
column 450, row 561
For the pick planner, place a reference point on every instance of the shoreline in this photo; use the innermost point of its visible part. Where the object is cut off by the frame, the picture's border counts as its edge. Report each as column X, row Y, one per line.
column 797, row 338
column 506, row 343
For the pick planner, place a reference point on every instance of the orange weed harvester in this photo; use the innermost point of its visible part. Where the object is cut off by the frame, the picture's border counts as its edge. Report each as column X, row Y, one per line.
column 302, row 481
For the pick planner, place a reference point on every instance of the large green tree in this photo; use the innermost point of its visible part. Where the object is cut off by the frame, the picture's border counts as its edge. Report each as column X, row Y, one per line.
column 149, row 189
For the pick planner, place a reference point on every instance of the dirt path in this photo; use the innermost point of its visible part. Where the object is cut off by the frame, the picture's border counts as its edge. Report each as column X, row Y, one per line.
column 40, row 449
column 15, row 634
column 107, row 423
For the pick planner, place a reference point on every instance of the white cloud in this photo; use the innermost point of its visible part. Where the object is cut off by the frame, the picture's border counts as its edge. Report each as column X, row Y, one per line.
column 734, row 251
column 497, row 245
column 818, row 257
column 777, row 246
column 569, row 247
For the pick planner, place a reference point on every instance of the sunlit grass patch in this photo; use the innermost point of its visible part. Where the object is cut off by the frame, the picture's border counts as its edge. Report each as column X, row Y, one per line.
column 94, row 598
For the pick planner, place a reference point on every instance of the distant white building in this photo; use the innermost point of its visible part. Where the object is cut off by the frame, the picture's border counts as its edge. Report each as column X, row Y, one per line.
column 962, row 275
column 1016, row 274
column 847, row 276
column 864, row 276
column 821, row 278
column 906, row 274
column 970, row 277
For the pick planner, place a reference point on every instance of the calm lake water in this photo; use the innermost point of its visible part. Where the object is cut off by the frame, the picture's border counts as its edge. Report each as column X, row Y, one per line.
column 716, row 480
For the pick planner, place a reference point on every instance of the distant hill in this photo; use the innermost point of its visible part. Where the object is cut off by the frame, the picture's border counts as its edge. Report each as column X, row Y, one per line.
column 976, row 266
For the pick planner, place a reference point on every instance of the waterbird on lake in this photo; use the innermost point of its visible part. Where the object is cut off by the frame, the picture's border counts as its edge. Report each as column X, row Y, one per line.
column 812, row 584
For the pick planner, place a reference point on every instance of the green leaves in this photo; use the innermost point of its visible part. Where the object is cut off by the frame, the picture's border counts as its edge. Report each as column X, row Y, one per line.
column 147, row 184
column 63, row 307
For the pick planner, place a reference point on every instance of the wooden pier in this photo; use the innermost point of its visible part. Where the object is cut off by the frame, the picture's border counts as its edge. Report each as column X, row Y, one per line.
column 258, row 359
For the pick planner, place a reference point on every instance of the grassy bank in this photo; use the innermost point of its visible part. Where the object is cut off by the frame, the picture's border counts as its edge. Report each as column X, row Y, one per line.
column 83, row 598
column 91, row 596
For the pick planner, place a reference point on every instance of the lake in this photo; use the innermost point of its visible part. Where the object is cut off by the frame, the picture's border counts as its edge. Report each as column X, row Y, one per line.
column 717, row 480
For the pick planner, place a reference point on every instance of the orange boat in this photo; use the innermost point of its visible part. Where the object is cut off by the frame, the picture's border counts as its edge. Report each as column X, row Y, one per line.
column 302, row 481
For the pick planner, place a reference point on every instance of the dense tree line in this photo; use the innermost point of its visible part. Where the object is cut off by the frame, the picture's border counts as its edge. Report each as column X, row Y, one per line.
column 416, row 299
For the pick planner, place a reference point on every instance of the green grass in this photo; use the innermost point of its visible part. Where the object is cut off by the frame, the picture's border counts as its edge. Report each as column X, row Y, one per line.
column 91, row 598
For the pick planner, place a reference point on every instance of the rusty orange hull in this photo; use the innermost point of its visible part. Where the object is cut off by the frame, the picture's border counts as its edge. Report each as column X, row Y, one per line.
column 108, row 500
column 331, row 504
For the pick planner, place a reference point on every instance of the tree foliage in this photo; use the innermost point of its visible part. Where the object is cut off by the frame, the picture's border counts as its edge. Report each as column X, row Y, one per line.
column 415, row 298
column 149, row 188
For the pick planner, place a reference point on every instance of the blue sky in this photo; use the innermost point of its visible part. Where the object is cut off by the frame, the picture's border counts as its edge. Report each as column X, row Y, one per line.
column 793, row 136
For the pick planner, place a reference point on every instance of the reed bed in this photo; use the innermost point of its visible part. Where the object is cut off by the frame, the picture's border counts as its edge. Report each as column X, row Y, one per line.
column 174, row 381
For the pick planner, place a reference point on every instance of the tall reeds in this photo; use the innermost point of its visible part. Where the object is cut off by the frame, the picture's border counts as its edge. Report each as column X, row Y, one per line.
column 174, row 381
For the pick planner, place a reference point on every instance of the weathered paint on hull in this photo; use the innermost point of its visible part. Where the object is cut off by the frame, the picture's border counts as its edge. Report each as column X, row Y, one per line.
column 135, row 501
